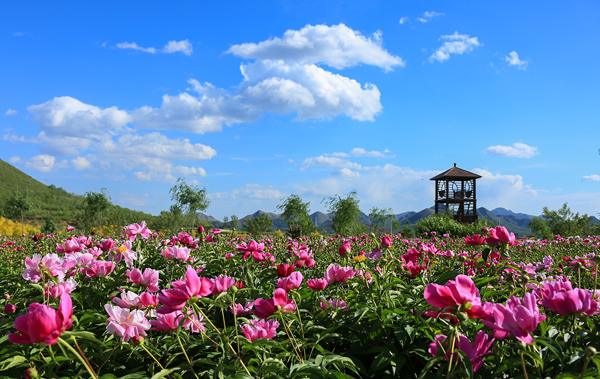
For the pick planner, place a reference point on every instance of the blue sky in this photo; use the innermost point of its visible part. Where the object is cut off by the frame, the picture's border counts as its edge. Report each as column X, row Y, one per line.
column 259, row 100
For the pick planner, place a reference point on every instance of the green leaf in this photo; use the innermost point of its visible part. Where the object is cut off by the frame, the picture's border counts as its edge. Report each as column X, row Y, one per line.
column 164, row 372
column 12, row 362
column 485, row 253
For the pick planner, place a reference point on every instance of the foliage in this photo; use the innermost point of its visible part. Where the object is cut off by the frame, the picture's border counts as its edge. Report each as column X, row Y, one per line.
column 379, row 217
column 168, row 221
column 259, row 224
column 563, row 222
column 443, row 223
column 189, row 199
column 234, row 222
column 49, row 227
column 346, row 219
column 95, row 204
column 17, row 205
column 297, row 212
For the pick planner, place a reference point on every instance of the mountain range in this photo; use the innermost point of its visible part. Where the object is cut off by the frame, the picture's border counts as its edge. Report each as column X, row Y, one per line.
column 514, row 222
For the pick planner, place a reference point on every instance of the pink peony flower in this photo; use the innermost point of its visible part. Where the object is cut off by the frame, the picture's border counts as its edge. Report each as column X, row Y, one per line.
column 260, row 329
column 386, row 241
column 292, row 282
column 175, row 299
column 500, row 234
column 454, row 294
column 56, row 290
column 242, row 310
column 571, row 302
column 344, row 250
column 134, row 230
column 335, row 303
column 264, row 308
column 128, row 300
column 126, row 323
column 222, row 284
column 475, row 352
column 99, row 269
column 43, row 323
column 181, row 254
column 317, row 284
column 518, row 317
column 148, row 279
column 336, row 273
column 167, row 322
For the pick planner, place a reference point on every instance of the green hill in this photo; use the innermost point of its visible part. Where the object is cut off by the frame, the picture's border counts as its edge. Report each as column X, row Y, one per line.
column 54, row 203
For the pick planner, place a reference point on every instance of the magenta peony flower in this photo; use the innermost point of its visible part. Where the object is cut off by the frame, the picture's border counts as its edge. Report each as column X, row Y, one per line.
column 386, row 241
column 222, row 284
column 264, row 308
column 167, row 322
column 284, row 270
column 43, row 323
column 175, row 299
column 99, row 269
column 571, row 302
column 335, row 303
column 260, row 329
column 344, row 250
column 56, row 290
column 456, row 293
column 475, row 352
column 9, row 308
column 518, row 317
column 500, row 234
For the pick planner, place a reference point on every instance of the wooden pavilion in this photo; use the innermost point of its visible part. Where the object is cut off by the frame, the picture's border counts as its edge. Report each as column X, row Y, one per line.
column 455, row 193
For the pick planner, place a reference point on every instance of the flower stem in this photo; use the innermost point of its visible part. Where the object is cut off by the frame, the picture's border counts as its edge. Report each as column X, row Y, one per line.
column 186, row 356
column 85, row 362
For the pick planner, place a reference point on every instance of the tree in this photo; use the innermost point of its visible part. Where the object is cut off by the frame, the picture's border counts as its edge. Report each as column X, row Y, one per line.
column 564, row 222
column 95, row 204
column 296, row 212
column 189, row 199
column 540, row 228
column 167, row 221
column 259, row 224
column 17, row 205
column 379, row 217
column 233, row 223
column 347, row 213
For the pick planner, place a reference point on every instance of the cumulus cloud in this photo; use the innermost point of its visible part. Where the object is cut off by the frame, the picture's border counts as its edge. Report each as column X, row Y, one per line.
column 178, row 46
column 10, row 112
column 332, row 162
column 171, row 47
column 66, row 116
column 42, row 163
column 81, row 163
column 454, row 44
column 518, row 150
column 403, row 20
column 337, row 46
column 513, row 60
column 428, row 16
column 593, row 177
column 250, row 191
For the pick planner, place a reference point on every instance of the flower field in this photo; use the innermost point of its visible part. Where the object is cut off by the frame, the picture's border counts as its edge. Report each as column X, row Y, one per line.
column 215, row 305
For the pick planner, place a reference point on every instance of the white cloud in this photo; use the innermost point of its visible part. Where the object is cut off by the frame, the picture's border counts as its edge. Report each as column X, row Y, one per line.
column 10, row 112
column 360, row 152
column 14, row 160
column 135, row 46
column 250, row 191
column 66, row 116
column 171, row 47
column 513, row 60
column 593, row 177
column 332, row 162
column 337, row 46
column 499, row 190
column 455, row 44
column 42, row 163
column 428, row 16
column 518, row 150
column 81, row 163
column 403, row 20
column 178, row 46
